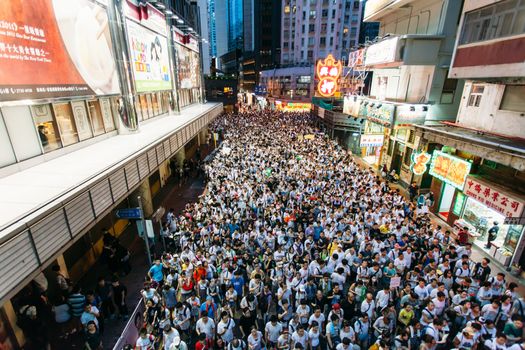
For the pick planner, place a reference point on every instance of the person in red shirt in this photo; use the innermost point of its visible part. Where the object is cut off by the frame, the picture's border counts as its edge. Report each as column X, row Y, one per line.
column 463, row 236
column 199, row 273
column 201, row 342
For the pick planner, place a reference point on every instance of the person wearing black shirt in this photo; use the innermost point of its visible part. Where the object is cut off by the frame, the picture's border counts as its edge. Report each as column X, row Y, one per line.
column 482, row 270
column 348, row 306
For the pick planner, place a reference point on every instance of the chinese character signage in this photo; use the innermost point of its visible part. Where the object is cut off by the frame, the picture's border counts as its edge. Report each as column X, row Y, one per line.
column 328, row 72
column 493, row 198
column 449, row 169
column 293, row 106
column 149, row 56
column 411, row 114
column 419, row 162
column 55, row 48
column 370, row 140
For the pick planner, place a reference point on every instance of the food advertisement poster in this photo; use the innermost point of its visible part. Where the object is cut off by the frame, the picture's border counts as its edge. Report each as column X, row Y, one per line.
column 55, row 48
column 150, row 60
column 187, row 67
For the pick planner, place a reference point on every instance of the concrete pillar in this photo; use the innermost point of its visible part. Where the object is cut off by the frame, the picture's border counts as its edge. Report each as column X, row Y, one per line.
column 10, row 314
column 127, row 121
column 63, row 267
column 144, row 192
column 180, row 156
column 203, row 135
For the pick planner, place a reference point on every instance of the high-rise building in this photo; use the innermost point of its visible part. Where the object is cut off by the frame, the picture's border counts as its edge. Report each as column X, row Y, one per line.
column 313, row 29
column 204, row 25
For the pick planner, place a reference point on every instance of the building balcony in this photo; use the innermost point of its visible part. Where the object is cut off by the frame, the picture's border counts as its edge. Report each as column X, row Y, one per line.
column 496, row 58
column 409, row 49
column 376, row 9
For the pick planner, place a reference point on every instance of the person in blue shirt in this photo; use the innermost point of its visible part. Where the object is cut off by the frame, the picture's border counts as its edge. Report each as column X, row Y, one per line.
column 209, row 307
column 238, row 284
column 155, row 272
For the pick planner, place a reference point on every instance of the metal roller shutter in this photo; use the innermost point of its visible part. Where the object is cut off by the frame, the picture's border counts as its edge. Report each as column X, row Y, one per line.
column 152, row 159
column 118, row 184
column 143, row 166
column 79, row 213
column 132, row 174
column 50, row 234
column 101, row 196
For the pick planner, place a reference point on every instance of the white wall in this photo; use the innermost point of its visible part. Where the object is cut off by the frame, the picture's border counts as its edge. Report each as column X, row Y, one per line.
column 404, row 84
column 205, row 54
column 488, row 116
column 424, row 17
column 22, row 131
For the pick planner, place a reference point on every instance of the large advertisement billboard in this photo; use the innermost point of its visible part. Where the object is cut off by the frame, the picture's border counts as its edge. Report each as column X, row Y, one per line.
column 188, row 67
column 150, row 60
column 55, row 48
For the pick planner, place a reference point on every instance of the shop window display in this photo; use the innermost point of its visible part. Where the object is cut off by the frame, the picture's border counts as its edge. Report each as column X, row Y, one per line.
column 483, row 218
column 46, row 127
column 97, row 120
column 66, row 123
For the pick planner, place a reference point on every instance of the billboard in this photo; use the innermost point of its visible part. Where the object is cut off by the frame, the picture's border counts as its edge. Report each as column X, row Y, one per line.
column 188, row 67
column 449, row 169
column 149, row 59
column 55, row 48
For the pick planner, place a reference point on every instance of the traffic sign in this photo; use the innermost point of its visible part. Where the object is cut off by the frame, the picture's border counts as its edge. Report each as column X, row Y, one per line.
column 149, row 229
column 128, row 213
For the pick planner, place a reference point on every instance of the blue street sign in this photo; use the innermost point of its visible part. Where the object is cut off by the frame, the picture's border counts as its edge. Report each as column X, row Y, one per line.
column 128, row 213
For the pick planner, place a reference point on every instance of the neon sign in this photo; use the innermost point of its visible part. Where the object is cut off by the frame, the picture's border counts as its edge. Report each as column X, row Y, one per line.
column 419, row 162
column 449, row 169
column 328, row 71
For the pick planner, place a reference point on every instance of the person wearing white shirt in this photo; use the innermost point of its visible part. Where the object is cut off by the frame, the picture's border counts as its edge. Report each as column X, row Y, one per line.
column 314, row 334
column 272, row 331
column 205, row 325
column 300, row 336
column 225, row 327
column 499, row 343
column 421, row 290
column 383, row 297
column 169, row 336
column 368, row 305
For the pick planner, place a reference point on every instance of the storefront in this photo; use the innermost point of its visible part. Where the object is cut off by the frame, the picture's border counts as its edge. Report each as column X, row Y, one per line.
column 188, row 68
column 149, row 55
column 379, row 119
column 450, row 173
column 486, row 204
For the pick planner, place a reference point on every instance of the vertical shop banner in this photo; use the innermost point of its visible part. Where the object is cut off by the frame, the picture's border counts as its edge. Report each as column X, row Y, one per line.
column 150, row 60
column 55, row 48
column 188, row 67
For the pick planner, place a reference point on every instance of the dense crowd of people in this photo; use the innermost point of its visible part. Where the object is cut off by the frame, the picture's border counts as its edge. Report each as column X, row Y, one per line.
column 294, row 246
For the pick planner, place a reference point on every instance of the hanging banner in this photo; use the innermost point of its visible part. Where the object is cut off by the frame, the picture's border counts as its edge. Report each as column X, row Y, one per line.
column 55, row 48
column 149, row 56
column 449, row 169
column 493, row 198
column 188, row 67
column 351, row 105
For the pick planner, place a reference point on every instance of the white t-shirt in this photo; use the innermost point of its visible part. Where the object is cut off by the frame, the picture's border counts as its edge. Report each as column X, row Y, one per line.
column 228, row 327
column 296, row 338
column 146, row 343
column 314, row 337
column 273, row 331
column 206, row 328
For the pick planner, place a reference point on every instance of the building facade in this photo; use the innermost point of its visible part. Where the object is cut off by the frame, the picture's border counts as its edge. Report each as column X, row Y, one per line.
column 477, row 173
column 313, row 29
column 408, row 65
column 85, row 132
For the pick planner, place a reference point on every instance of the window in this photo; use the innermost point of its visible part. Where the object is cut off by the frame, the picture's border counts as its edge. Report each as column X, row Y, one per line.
column 390, row 148
column 324, row 13
column 310, row 54
column 331, row 41
column 332, row 27
column 323, row 27
column 287, row 9
column 449, row 89
column 411, row 136
column 356, row 5
column 322, row 41
column 345, row 30
column 498, row 20
column 513, row 98
column 66, row 123
column 302, row 41
column 311, row 28
column 333, row 13
column 312, row 14
column 476, row 93
column 303, row 28
column 311, row 41
column 407, row 159
column 304, row 15
column 285, row 44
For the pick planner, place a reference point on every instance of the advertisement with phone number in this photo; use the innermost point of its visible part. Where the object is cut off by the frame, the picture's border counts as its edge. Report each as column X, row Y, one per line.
column 55, row 48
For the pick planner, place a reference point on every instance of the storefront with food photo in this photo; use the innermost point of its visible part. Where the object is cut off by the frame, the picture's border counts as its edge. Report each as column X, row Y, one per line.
column 449, row 174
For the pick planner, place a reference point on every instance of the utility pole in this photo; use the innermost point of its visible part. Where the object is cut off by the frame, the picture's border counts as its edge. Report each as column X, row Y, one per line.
column 146, row 239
